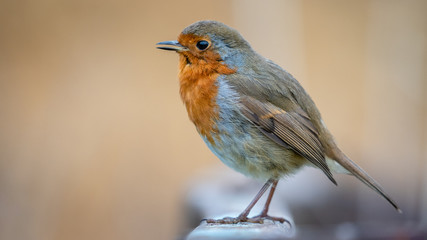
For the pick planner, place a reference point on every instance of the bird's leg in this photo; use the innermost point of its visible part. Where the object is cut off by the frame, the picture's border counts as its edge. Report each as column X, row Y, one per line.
column 263, row 215
column 245, row 213
column 243, row 217
column 270, row 196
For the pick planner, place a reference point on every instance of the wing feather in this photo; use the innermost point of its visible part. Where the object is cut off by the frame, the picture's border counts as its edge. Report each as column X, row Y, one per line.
column 293, row 130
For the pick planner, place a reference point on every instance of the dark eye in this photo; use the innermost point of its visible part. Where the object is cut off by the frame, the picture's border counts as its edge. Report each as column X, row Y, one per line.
column 202, row 44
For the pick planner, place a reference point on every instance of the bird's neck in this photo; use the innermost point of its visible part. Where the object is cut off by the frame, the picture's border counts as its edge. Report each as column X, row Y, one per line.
column 198, row 91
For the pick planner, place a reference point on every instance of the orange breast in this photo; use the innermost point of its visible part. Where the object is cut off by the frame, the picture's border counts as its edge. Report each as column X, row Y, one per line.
column 198, row 90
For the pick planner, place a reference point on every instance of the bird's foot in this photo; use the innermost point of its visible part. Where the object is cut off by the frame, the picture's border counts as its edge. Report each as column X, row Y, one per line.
column 227, row 220
column 261, row 218
column 257, row 219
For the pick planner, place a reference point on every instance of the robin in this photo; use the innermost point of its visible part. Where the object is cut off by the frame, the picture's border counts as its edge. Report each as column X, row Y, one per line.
column 252, row 114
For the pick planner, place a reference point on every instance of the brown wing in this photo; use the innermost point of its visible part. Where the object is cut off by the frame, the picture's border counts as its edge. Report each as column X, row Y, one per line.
column 292, row 130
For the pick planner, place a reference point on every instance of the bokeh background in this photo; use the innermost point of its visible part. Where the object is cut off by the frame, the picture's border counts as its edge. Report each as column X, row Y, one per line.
column 95, row 142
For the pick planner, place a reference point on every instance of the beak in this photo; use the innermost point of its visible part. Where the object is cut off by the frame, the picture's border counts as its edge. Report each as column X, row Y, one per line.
column 172, row 46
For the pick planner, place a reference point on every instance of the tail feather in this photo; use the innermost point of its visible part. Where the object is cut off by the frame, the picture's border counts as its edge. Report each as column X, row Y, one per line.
column 358, row 172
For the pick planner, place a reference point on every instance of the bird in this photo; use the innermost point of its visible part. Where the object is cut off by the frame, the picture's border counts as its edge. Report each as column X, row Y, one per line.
column 252, row 114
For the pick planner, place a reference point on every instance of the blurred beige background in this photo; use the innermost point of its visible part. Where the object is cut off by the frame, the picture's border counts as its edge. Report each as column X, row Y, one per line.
column 95, row 142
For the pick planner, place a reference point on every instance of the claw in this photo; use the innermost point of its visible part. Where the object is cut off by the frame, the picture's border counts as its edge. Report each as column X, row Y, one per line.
column 260, row 219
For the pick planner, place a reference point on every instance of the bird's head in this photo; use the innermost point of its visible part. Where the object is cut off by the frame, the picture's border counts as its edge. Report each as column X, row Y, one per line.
column 208, row 42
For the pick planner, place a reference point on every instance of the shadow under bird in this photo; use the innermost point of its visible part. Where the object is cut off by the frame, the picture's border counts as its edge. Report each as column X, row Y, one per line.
column 252, row 114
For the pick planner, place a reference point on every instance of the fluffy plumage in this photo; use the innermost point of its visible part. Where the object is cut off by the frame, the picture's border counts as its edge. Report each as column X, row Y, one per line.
column 252, row 114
